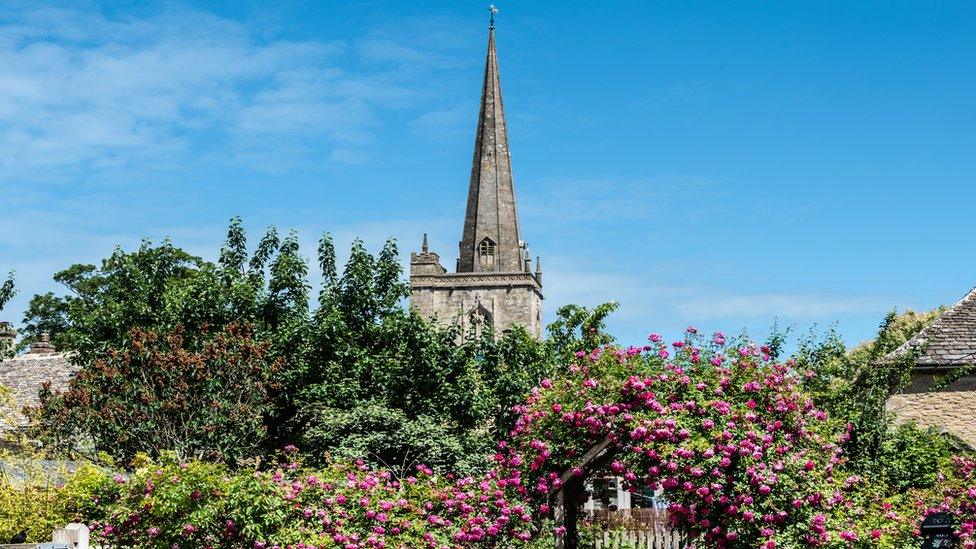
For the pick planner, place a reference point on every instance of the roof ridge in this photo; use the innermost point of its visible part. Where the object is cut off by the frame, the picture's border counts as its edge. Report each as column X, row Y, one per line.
column 923, row 336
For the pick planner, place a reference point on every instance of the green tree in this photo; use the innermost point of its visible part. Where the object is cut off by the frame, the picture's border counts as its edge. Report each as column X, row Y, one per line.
column 357, row 375
column 854, row 385
column 201, row 395
column 164, row 290
column 513, row 364
column 578, row 328
column 46, row 313
column 128, row 290
column 384, row 384
column 7, row 290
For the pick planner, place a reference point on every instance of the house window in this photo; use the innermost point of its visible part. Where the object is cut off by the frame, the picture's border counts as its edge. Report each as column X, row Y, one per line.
column 604, row 493
column 486, row 254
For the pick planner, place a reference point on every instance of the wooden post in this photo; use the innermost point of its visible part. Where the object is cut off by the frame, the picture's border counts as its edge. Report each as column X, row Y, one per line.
column 559, row 516
column 572, row 493
column 567, row 514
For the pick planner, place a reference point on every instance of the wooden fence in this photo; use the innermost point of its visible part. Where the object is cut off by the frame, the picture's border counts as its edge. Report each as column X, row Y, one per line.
column 637, row 529
column 641, row 540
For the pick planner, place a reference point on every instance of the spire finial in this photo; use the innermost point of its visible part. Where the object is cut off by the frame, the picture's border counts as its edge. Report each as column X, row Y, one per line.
column 492, row 10
column 423, row 247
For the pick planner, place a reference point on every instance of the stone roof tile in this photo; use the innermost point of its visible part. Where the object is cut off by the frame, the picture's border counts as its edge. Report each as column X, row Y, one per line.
column 950, row 341
column 25, row 374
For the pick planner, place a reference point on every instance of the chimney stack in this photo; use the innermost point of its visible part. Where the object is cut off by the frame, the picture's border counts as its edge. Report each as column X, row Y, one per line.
column 43, row 346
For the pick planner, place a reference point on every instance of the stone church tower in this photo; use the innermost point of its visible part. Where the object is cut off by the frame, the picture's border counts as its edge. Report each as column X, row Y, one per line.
column 494, row 283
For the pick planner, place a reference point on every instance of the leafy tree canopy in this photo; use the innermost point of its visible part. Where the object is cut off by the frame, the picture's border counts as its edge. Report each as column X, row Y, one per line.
column 201, row 397
column 578, row 329
column 854, row 384
column 7, row 290
column 356, row 373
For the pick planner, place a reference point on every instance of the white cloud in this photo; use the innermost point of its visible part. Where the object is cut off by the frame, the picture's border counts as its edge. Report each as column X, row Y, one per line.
column 80, row 90
column 105, row 118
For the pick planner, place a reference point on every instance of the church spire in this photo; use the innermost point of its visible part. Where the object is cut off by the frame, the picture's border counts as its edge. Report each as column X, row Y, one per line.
column 494, row 284
column 491, row 240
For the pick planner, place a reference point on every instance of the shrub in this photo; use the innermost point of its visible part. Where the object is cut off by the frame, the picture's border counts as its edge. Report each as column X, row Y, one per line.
column 956, row 494
column 735, row 440
column 201, row 395
column 198, row 504
column 36, row 497
column 913, row 458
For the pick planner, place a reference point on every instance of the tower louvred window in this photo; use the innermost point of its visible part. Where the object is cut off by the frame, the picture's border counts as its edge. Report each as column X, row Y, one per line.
column 486, row 253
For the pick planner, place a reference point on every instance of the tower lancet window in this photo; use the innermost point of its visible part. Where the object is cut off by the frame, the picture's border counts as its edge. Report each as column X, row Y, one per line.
column 486, row 253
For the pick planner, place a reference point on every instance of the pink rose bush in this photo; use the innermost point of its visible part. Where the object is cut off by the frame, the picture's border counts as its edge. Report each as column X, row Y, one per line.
column 346, row 506
column 744, row 457
column 364, row 508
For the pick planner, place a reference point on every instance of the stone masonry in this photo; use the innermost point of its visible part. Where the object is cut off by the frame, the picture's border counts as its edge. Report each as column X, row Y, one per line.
column 8, row 337
column 493, row 283
column 948, row 343
column 952, row 409
column 475, row 300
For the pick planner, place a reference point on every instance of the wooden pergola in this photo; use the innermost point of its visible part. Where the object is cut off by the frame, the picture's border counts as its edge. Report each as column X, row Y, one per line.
column 564, row 498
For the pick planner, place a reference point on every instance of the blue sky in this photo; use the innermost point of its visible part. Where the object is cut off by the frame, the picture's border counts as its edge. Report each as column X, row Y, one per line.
column 701, row 163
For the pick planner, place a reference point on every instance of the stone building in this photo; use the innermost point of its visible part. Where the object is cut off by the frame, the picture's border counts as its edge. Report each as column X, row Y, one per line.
column 25, row 374
column 493, row 283
column 946, row 344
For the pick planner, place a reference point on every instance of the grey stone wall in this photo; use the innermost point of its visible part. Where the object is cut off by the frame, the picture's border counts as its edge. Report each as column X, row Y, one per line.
column 509, row 298
column 25, row 374
column 425, row 263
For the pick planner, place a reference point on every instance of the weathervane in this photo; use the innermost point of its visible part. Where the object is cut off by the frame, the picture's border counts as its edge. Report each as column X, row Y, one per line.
column 492, row 9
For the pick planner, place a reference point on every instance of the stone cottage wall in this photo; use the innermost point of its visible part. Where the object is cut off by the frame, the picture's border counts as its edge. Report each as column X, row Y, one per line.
column 952, row 409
